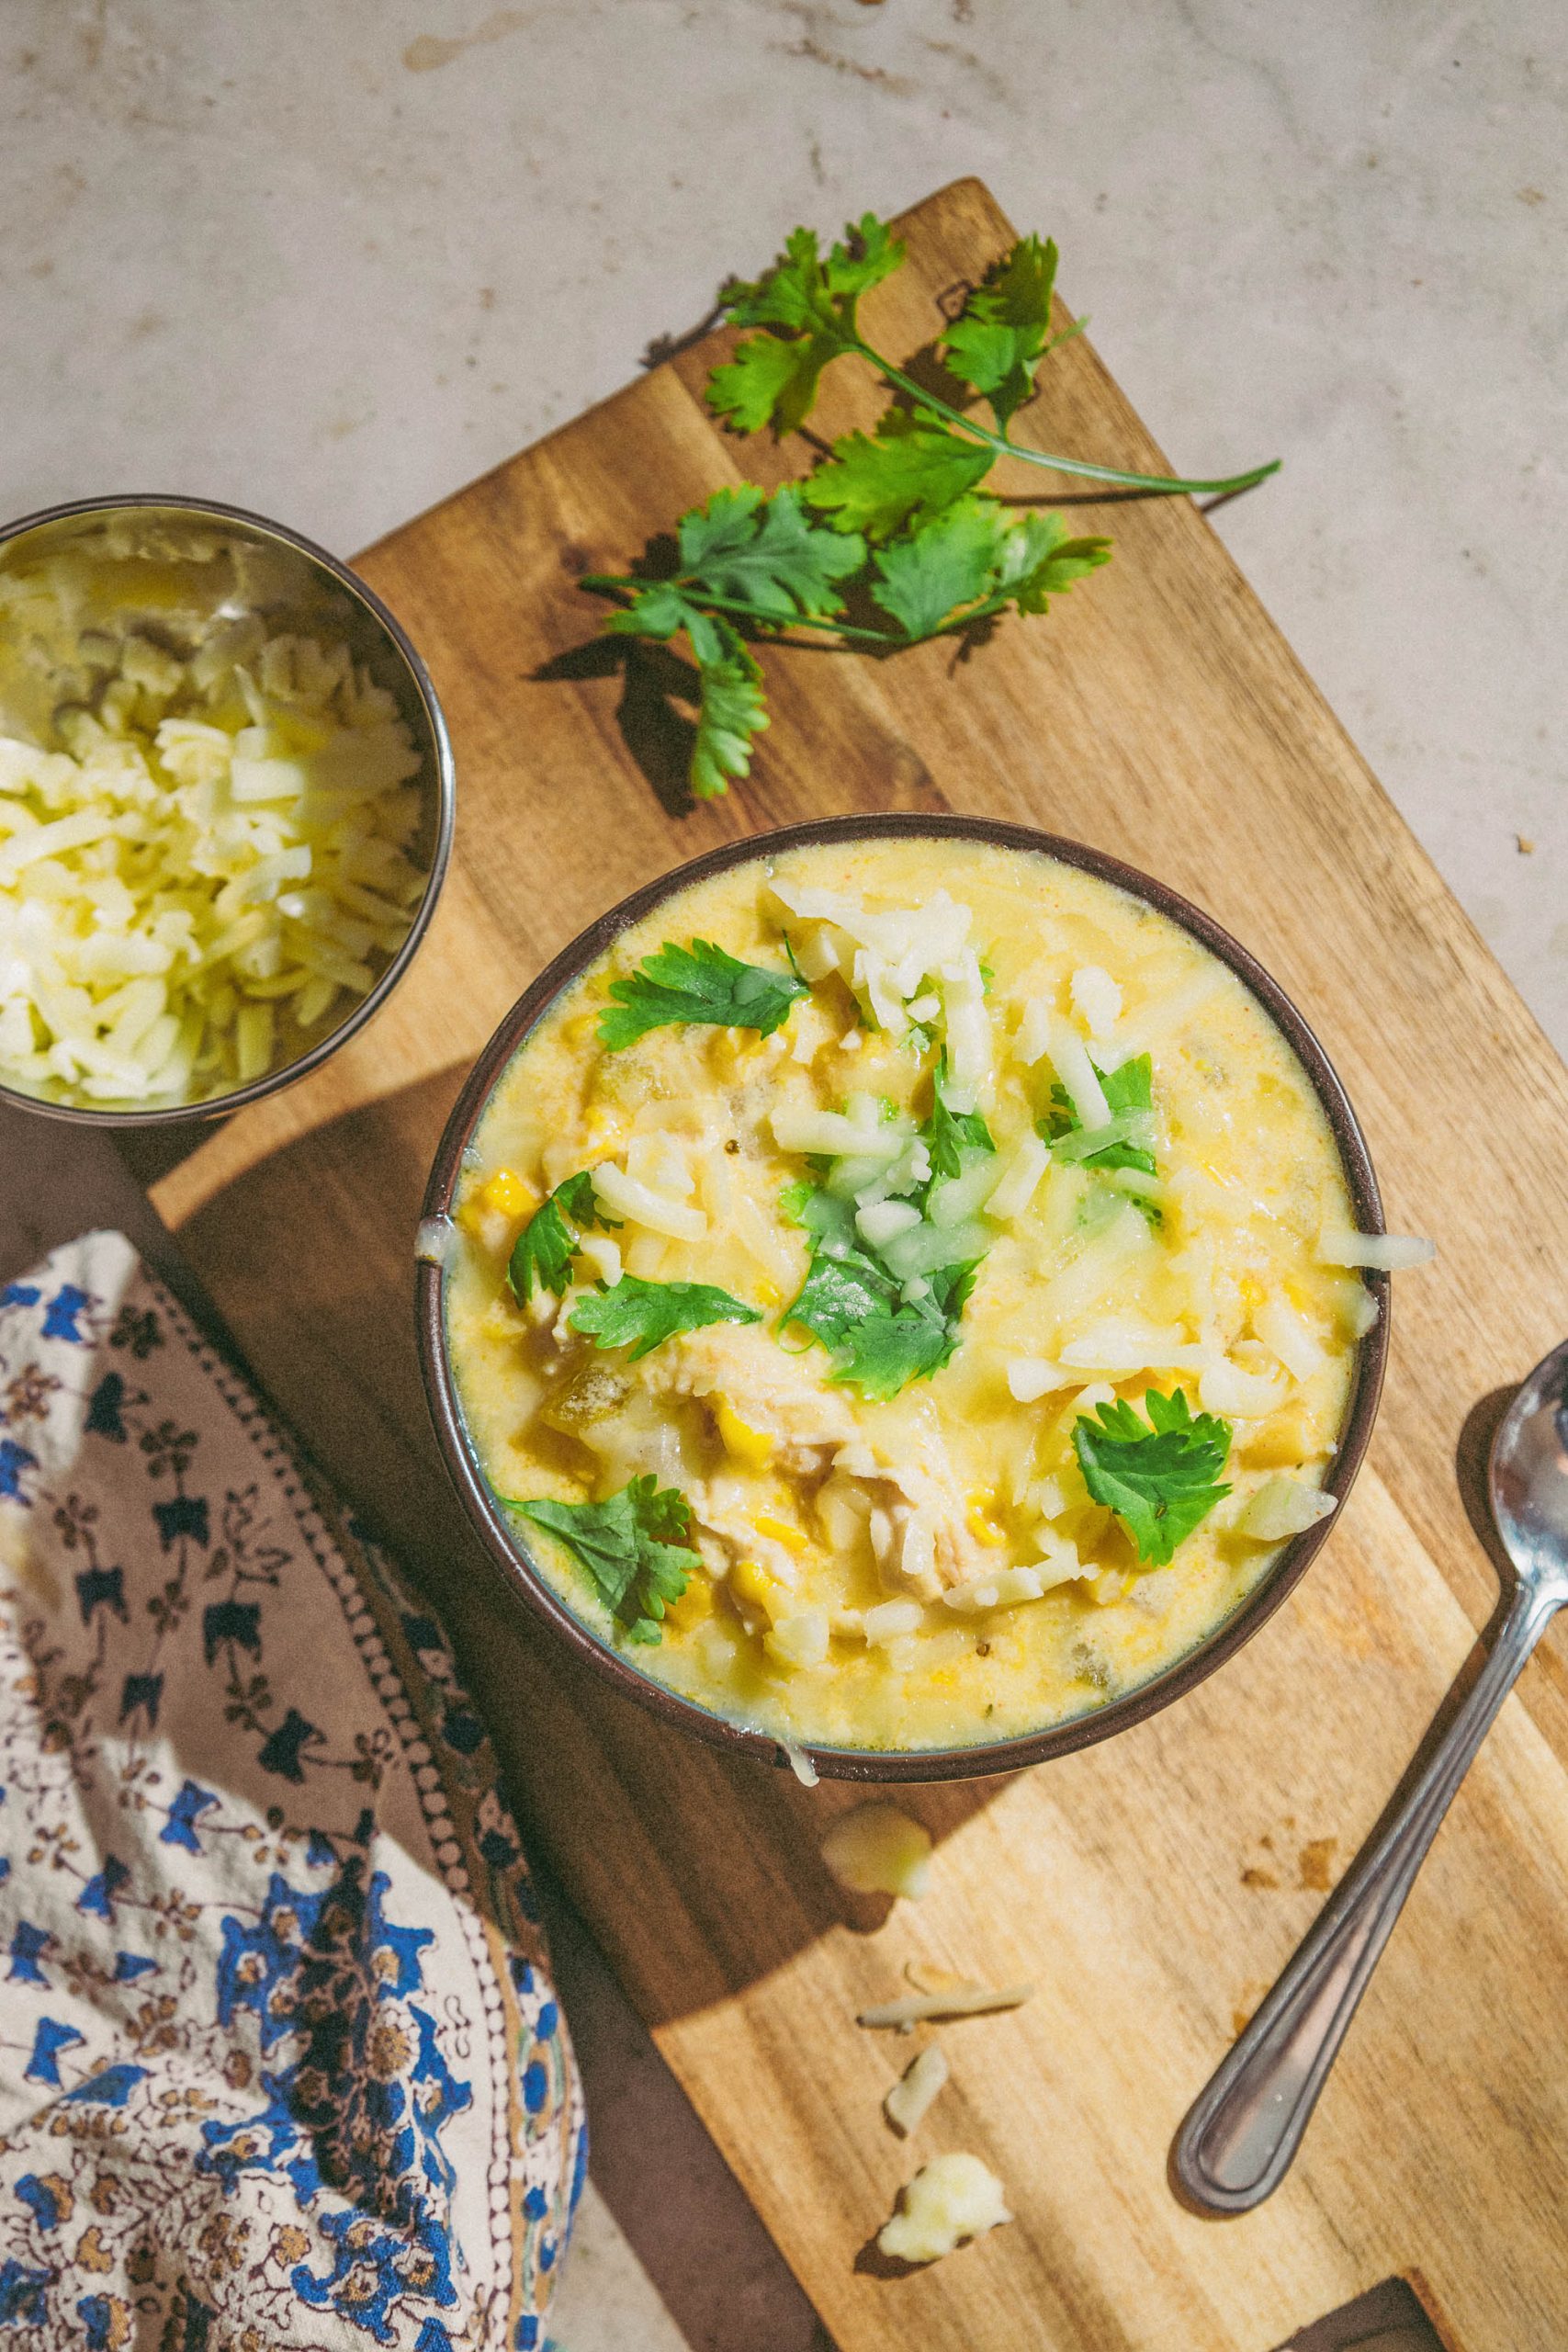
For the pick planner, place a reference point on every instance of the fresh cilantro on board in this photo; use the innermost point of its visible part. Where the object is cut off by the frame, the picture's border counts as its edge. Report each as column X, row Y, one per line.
column 1160, row 1476
column 1003, row 332
column 632, row 1545
column 542, row 1253
column 641, row 1314
column 909, row 468
column 879, row 1340
column 908, row 532
column 699, row 983
column 731, row 709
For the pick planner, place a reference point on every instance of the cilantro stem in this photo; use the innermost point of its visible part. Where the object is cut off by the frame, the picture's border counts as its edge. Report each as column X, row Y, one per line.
column 1159, row 485
column 606, row 581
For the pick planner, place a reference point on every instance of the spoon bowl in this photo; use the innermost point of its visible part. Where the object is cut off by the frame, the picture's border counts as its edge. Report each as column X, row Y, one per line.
column 1527, row 1477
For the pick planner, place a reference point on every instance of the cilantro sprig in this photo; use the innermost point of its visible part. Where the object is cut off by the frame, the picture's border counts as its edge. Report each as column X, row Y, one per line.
column 542, row 1252
column 701, row 983
column 948, row 1133
column 894, row 537
column 880, row 1336
column 809, row 300
column 632, row 1545
column 879, row 1341
column 1128, row 1087
column 642, row 1315
column 1159, row 1475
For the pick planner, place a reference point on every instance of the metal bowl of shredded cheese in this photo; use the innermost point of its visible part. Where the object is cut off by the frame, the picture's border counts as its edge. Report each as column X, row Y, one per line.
column 226, row 803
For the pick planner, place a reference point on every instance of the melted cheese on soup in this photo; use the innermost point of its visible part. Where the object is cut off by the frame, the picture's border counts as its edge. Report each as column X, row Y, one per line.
column 1018, row 1149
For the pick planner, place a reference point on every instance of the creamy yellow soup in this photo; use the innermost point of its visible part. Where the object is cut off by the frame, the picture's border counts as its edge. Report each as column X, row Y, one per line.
column 1018, row 1154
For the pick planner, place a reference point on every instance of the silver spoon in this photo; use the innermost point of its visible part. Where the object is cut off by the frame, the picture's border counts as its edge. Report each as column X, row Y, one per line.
column 1239, row 2137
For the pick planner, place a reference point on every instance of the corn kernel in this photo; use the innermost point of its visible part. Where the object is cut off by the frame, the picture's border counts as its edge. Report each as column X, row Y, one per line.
column 694, row 1604
column 507, row 1193
column 747, row 1444
column 769, row 1293
column 782, row 1530
column 579, row 1031
column 754, row 1583
column 1282, row 1442
column 978, row 1518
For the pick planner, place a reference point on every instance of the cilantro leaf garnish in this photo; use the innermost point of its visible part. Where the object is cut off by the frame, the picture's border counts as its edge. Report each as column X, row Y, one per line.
column 632, row 1545
column 542, row 1253
column 1159, row 1476
column 642, row 1314
column 699, row 983
column 883, row 1354
column 948, row 1133
column 879, row 1341
column 731, row 711
column 908, row 529
column 1038, row 560
column 973, row 561
column 810, row 298
column 1129, row 1088
column 924, row 579
column 911, row 469
column 1002, row 334
column 770, row 380
column 764, row 553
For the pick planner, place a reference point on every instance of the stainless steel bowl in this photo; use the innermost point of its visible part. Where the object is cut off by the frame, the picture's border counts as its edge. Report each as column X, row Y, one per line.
column 345, row 602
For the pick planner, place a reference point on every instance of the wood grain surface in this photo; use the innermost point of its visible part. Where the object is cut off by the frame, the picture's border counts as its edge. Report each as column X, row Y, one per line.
column 1151, row 1887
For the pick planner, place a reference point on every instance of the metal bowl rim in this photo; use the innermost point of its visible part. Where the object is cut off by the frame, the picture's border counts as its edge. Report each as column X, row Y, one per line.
column 511, row 1557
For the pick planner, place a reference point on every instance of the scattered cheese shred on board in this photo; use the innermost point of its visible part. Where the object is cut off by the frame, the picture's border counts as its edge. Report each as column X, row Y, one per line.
column 952, row 2200
column 876, row 1850
column 960, row 1999
column 916, row 2087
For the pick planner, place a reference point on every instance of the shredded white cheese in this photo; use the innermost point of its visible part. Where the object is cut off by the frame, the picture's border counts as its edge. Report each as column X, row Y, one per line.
column 1031, row 1377
column 800, row 1764
column 1283, row 1507
column 1097, row 1000
column 1386, row 1253
column 1225, row 1388
column 1286, row 1335
column 1016, row 1186
column 636, row 1204
column 1006, row 1586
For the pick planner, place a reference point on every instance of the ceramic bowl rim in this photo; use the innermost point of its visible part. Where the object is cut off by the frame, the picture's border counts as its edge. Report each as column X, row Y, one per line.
column 220, row 1107
column 510, row 1555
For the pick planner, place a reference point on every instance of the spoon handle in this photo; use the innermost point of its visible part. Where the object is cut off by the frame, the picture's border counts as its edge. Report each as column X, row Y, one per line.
column 1243, row 2130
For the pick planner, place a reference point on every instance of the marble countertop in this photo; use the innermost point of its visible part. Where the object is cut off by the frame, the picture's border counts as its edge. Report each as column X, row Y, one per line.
column 333, row 262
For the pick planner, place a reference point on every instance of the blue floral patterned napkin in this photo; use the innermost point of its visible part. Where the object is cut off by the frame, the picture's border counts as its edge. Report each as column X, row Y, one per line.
column 279, row 2062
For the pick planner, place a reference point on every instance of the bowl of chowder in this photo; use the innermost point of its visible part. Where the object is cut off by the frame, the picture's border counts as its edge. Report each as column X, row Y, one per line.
column 900, row 1293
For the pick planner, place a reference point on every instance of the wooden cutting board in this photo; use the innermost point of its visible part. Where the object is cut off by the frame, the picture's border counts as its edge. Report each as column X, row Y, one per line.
column 1151, row 1887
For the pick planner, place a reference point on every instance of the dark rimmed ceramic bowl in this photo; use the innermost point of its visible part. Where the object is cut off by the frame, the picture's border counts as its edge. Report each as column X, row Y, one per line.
column 511, row 1554
column 377, row 640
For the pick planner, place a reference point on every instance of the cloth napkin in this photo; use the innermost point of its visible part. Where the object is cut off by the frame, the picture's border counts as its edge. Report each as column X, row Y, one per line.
column 280, row 2063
